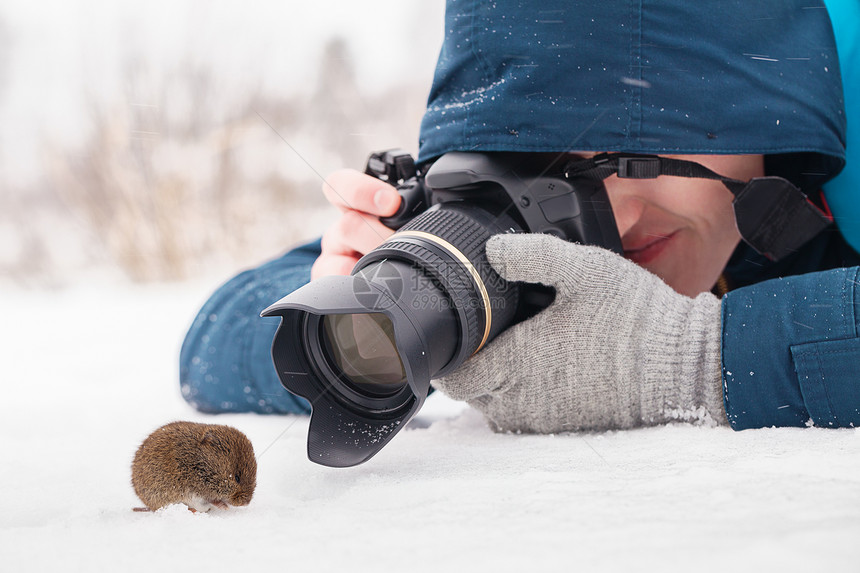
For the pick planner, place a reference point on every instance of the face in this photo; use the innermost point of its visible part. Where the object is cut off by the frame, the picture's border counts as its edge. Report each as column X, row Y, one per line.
column 682, row 230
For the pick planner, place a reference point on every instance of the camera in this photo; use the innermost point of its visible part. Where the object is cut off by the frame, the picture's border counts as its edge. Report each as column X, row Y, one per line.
column 363, row 348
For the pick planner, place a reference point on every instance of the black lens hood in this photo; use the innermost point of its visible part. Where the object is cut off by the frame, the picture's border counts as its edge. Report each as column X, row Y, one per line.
column 343, row 434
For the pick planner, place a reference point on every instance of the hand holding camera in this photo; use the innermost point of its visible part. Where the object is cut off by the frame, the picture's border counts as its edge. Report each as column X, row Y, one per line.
column 362, row 199
column 618, row 348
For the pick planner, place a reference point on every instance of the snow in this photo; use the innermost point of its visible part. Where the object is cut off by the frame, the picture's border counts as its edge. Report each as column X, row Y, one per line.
column 89, row 372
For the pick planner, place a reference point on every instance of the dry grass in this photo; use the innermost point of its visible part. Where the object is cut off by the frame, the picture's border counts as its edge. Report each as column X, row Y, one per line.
column 182, row 173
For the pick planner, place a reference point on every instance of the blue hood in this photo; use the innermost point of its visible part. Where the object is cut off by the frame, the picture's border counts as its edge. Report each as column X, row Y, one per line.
column 648, row 76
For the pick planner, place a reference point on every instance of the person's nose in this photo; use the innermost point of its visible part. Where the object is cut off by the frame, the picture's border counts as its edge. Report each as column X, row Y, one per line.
column 626, row 205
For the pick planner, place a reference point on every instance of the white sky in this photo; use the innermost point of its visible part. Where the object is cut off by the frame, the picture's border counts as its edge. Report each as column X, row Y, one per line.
column 58, row 49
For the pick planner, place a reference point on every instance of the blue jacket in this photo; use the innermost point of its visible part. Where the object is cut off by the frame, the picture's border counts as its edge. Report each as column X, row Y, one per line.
column 791, row 351
column 654, row 76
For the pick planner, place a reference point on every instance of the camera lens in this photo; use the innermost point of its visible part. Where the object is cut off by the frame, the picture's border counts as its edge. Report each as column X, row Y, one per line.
column 362, row 347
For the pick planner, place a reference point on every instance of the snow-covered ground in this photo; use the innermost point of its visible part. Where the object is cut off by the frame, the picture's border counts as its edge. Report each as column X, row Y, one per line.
column 89, row 372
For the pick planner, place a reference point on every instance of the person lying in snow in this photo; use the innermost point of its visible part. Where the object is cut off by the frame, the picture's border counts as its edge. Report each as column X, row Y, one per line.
column 744, row 89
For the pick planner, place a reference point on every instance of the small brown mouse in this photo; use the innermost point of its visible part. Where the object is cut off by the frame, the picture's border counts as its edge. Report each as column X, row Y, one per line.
column 200, row 465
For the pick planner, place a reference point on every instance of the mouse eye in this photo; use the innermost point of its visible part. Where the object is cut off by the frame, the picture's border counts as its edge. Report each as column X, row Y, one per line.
column 238, row 477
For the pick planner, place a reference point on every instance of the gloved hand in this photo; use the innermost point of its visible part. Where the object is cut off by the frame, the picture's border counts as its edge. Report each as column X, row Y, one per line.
column 618, row 348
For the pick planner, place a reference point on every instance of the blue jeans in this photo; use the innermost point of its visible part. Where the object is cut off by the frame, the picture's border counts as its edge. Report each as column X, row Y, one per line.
column 225, row 364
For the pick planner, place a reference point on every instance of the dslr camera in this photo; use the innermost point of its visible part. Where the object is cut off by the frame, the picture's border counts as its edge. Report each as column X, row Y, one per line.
column 363, row 348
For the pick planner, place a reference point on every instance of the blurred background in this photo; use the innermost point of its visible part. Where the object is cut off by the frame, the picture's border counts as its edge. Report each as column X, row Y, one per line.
column 172, row 140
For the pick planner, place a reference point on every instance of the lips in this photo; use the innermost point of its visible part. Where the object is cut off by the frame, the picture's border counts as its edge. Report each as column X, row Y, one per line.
column 647, row 248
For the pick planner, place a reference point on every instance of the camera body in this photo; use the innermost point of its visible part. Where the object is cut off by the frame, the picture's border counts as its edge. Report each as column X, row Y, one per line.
column 533, row 187
column 362, row 349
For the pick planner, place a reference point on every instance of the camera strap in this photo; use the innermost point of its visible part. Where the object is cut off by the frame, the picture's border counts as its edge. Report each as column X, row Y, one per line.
column 773, row 216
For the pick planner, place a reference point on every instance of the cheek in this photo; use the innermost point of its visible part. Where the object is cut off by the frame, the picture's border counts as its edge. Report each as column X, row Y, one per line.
column 707, row 246
column 719, row 228
column 707, row 236
column 700, row 262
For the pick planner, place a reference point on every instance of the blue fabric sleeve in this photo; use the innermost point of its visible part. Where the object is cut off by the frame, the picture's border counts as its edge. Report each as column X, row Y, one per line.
column 225, row 364
column 791, row 352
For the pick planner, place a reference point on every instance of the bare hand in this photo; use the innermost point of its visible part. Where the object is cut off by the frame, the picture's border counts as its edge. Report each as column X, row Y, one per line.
column 362, row 199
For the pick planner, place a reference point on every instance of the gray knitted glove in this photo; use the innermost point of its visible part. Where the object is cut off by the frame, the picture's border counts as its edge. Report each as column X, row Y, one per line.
column 618, row 348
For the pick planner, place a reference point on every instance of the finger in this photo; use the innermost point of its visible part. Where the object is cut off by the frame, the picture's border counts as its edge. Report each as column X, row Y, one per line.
column 480, row 375
column 569, row 267
column 355, row 232
column 326, row 265
column 348, row 189
column 466, row 383
column 529, row 257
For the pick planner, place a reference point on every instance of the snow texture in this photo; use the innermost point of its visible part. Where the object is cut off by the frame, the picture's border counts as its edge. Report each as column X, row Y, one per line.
column 89, row 373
